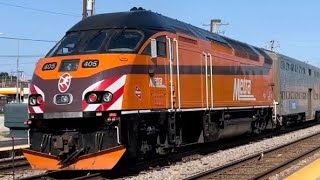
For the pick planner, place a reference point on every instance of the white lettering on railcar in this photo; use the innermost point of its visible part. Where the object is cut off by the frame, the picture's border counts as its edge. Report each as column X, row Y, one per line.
column 242, row 90
column 156, row 82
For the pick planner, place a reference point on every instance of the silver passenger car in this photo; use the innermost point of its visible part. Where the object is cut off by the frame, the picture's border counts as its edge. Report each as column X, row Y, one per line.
column 296, row 89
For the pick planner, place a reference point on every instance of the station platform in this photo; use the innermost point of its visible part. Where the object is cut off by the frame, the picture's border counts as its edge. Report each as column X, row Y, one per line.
column 6, row 145
column 6, row 142
column 2, row 127
column 309, row 172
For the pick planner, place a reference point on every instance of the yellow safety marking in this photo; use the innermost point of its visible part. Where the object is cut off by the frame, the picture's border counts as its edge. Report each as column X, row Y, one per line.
column 8, row 148
column 310, row 171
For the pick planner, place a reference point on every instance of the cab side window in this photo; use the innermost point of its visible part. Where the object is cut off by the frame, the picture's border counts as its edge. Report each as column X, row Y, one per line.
column 161, row 47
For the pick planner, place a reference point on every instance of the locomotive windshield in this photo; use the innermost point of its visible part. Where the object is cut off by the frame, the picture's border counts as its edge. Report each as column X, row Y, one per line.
column 66, row 45
column 124, row 41
column 103, row 41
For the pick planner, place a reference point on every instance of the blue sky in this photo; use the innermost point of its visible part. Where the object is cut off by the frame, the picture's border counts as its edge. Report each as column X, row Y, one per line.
column 292, row 23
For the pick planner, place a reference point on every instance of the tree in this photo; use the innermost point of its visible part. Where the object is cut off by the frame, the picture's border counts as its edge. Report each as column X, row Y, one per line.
column 6, row 76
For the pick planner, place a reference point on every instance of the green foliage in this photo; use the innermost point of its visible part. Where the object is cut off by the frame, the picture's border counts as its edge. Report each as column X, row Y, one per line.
column 5, row 75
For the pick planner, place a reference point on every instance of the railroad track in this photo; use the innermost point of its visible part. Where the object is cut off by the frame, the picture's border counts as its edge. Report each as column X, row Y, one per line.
column 8, row 164
column 8, row 167
column 266, row 164
column 71, row 175
column 125, row 169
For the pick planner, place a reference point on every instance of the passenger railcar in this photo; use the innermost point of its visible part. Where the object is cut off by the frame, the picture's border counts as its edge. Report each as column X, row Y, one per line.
column 137, row 84
column 296, row 89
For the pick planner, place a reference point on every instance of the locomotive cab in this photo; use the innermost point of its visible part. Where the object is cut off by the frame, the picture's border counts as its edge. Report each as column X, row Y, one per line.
column 78, row 92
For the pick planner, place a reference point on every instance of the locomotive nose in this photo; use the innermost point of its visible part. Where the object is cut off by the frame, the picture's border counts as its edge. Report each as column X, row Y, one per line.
column 94, row 161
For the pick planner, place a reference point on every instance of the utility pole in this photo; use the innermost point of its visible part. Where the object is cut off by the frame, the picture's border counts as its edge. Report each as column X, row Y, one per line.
column 88, row 8
column 215, row 23
column 84, row 9
column 18, row 53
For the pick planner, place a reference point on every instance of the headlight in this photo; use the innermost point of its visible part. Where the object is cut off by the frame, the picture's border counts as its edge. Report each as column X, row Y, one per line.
column 65, row 99
column 107, row 97
column 32, row 100
column 39, row 100
column 92, row 97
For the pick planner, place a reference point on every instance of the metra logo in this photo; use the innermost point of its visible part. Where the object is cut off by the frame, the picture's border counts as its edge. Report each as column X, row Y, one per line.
column 64, row 82
column 242, row 90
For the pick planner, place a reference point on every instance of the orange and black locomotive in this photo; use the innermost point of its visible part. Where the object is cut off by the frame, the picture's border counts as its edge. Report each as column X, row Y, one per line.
column 138, row 83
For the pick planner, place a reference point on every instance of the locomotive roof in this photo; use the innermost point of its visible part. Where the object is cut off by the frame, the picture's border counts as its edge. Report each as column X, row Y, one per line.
column 142, row 19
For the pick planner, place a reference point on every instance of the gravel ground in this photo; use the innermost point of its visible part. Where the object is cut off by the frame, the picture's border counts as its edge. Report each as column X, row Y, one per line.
column 20, row 174
column 183, row 170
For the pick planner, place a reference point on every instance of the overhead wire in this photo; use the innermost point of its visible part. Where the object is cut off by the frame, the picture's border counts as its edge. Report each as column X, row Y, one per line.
column 28, row 39
column 14, row 64
column 39, row 10
column 21, row 56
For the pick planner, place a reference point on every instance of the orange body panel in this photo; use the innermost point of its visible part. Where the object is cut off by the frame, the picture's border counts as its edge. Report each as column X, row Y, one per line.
column 220, row 48
column 107, row 61
column 105, row 159
column 192, row 86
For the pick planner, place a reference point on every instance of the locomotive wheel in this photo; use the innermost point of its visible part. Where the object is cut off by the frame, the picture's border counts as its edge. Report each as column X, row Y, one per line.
column 259, row 126
column 147, row 140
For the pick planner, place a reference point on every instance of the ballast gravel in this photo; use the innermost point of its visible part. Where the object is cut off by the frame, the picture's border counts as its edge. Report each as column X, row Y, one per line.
column 20, row 174
column 186, row 169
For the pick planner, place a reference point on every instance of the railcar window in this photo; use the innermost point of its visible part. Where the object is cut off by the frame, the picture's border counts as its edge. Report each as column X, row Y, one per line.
column 282, row 65
column 300, row 69
column 95, row 42
column 161, row 47
column 67, row 44
column 124, row 41
column 296, row 68
column 292, row 67
column 288, row 66
column 303, row 71
column 310, row 72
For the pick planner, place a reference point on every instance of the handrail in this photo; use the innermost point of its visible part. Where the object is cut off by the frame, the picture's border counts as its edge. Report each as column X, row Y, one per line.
column 211, row 79
column 178, row 72
column 206, row 62
column 171, row 75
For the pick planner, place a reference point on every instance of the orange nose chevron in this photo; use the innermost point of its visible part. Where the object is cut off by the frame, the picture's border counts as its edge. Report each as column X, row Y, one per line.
column 105, row 159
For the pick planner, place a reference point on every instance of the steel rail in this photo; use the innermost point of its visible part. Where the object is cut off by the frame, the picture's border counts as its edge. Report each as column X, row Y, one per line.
column 132, row 169
column 265, row 164
column 7, row 164
column 72, row 175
